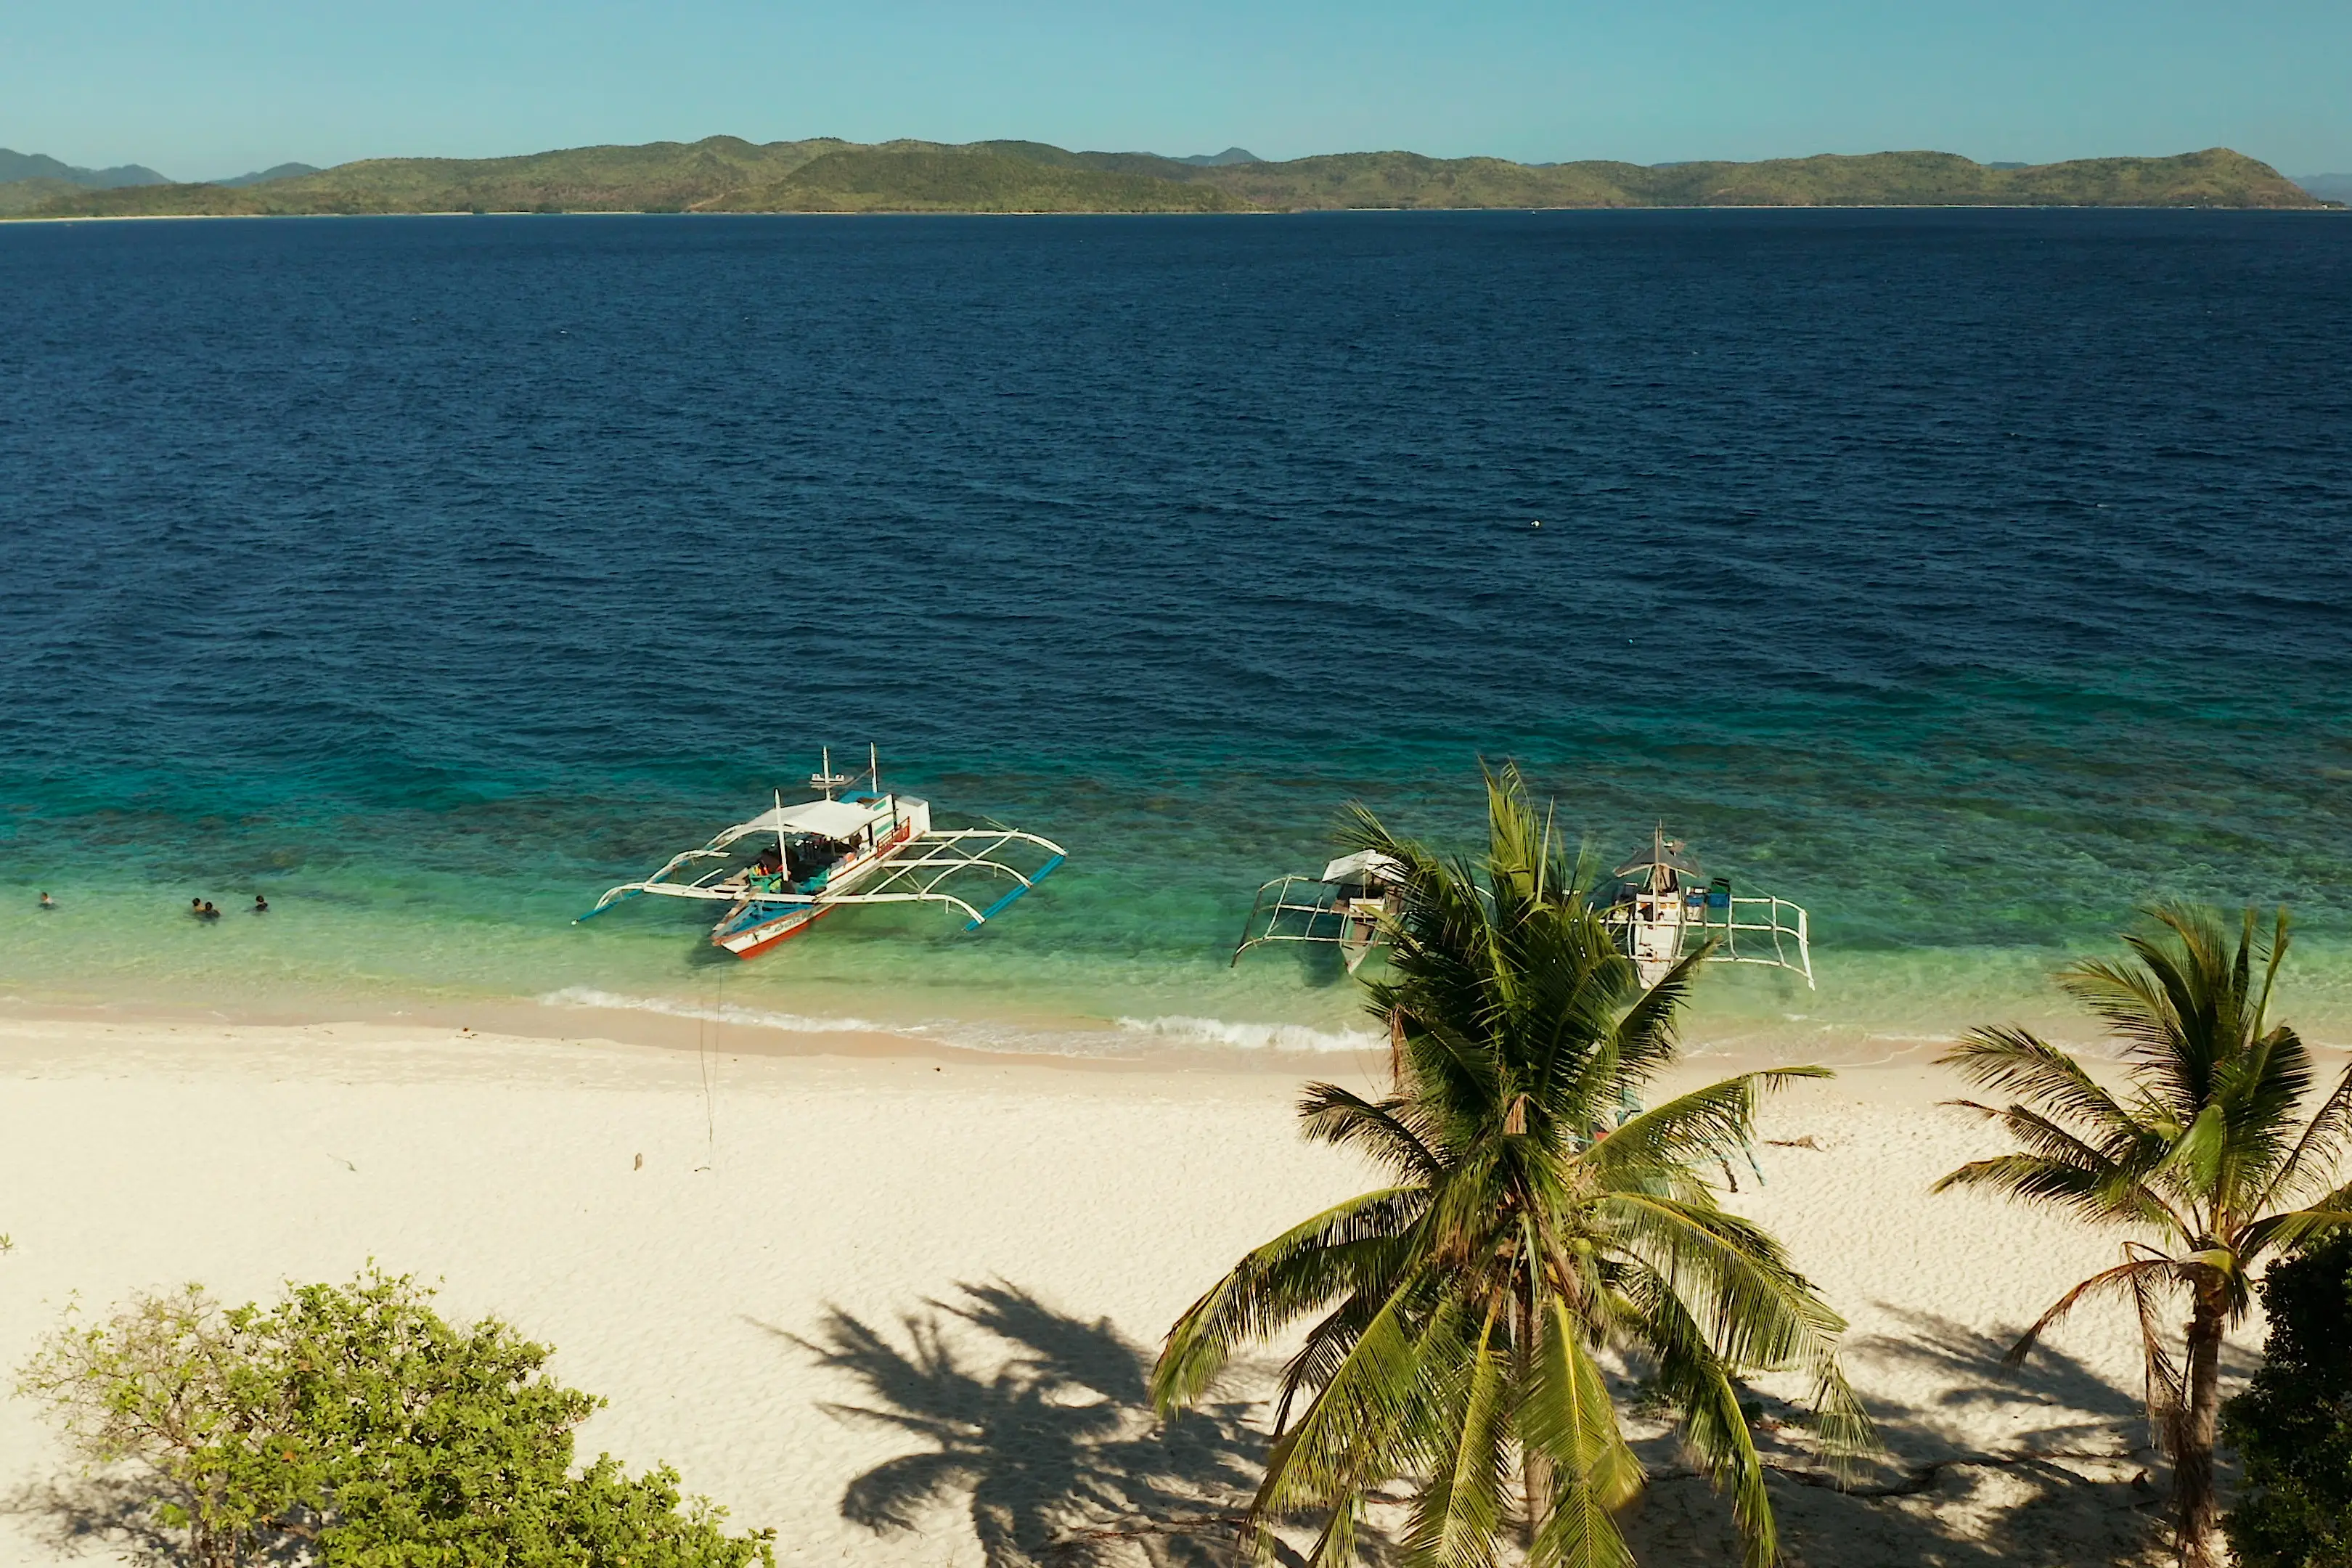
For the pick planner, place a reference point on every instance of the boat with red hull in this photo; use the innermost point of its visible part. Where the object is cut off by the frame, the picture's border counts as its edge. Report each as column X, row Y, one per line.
column 790, row 865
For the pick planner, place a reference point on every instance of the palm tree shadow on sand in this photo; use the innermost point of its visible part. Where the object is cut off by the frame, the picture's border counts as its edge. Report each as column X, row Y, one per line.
column 1055, row 1451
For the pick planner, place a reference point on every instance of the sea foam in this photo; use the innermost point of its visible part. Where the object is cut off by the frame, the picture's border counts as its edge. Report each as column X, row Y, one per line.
column 1123, row 1037
column 724, row 1013
column 1183, row 1031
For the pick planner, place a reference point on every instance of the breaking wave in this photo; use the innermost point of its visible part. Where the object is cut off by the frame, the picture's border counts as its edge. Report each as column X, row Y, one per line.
column 1126, row 1038
column 1183, row 1031
column 724, row 1013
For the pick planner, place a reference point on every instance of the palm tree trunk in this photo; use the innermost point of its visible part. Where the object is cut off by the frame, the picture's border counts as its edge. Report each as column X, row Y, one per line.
column 2194, row 1504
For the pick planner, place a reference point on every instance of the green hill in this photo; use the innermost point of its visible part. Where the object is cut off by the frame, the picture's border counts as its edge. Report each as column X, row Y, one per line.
column 2217, row 177
column 659, row 177
column 725, row 174
column 921, row 178
column 152, row 201
column 23, row 196
column 1410, row 180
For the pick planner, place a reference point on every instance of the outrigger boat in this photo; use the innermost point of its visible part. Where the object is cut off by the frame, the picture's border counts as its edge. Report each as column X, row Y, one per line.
column 1659, row 906
column 1664, row 905
column 851, row 846
column 1348, row 906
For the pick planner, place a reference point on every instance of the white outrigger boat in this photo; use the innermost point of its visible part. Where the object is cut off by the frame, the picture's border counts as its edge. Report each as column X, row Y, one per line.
column 1664, row 905
column 852, row 847
column 1659, row 907
column 1345, row 905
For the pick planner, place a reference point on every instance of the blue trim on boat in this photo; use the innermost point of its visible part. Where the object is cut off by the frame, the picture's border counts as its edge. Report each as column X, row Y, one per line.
column 1042, row 872
column 760, row 913
column 600, row 908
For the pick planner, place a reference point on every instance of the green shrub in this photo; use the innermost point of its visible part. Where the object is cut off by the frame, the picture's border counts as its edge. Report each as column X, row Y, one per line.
column 2293, row 1426
column 353, row 1427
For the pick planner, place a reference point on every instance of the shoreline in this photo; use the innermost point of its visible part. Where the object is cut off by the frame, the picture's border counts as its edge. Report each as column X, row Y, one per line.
column 672, row 1033
column 689, row 1029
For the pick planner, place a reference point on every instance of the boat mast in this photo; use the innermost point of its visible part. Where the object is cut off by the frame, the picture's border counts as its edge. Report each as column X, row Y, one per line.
column 874, row 767
column 783, row 865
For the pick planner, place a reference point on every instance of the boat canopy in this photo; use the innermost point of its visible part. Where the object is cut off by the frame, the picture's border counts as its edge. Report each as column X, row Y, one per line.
column 1364, row 865
column 832, row 818
column 1662, row 851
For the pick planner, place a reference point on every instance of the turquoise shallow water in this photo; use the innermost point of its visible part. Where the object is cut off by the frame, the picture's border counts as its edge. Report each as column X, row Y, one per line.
column 1969, row 578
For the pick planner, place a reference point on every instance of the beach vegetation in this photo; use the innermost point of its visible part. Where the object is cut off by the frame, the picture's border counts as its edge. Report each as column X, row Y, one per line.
column 2202, row 1156
column 1538, row 1220
column 2293, row 1426
column 350, row 1424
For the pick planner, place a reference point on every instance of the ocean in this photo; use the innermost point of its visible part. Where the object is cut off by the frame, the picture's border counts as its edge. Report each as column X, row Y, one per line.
column 1970, row 578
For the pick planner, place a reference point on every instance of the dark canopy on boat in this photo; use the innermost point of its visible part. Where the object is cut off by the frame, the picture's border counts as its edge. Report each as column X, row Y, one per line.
column 1662, row 851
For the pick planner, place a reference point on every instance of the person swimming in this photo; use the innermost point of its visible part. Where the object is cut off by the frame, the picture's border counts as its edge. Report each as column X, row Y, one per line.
column 260, row 905
column 47, row 902
column 205, row 910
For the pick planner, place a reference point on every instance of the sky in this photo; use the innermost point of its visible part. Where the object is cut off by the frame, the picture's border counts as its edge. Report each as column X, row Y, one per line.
column 204, row 91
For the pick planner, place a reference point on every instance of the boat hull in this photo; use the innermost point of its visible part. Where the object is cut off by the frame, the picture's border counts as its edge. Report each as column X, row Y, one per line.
column 1655, row 933
column 755, row 925
column 751, row 940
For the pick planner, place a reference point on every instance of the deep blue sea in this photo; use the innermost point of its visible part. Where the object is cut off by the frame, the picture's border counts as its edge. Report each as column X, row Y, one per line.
column 1968, row 577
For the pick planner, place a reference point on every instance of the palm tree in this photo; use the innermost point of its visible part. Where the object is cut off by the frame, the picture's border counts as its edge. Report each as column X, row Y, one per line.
column 2200, row 1154
column 1461, row 1310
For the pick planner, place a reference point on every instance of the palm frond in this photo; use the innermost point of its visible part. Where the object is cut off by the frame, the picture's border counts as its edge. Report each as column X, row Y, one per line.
column 2016, row 1061
column 2284, row 1232
column 1566, row 1414
column 2091, row 1194
column 1699, row 1385
column 1312, row 1263
column 2130, row 1276
column 1702, row 1124
column 1383, row 1129
column 1375, row 1411
column 1458, row 1518
column 1756, row 1310
column 2318, row 1151
column 1647, row 1035
column 2164, row 1391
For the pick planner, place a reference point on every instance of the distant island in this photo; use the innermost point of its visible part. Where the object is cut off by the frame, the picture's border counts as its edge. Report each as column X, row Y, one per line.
column 726, row 174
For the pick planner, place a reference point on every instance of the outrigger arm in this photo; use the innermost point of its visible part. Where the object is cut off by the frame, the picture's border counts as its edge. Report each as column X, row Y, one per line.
column 943, row 855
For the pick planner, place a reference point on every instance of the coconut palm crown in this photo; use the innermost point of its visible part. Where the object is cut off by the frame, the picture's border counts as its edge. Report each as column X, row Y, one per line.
column 1458, row 1315
column 2201, row 1154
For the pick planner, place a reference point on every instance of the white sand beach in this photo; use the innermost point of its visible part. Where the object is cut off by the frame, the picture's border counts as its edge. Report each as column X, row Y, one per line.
column 983, row 1251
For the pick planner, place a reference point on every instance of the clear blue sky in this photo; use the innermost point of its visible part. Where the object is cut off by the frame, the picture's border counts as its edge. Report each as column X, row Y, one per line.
column 201, row 90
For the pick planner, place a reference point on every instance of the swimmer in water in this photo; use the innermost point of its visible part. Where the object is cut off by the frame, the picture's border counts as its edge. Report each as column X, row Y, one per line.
column 260, row 905
column 208, row 912
column 47, row 902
